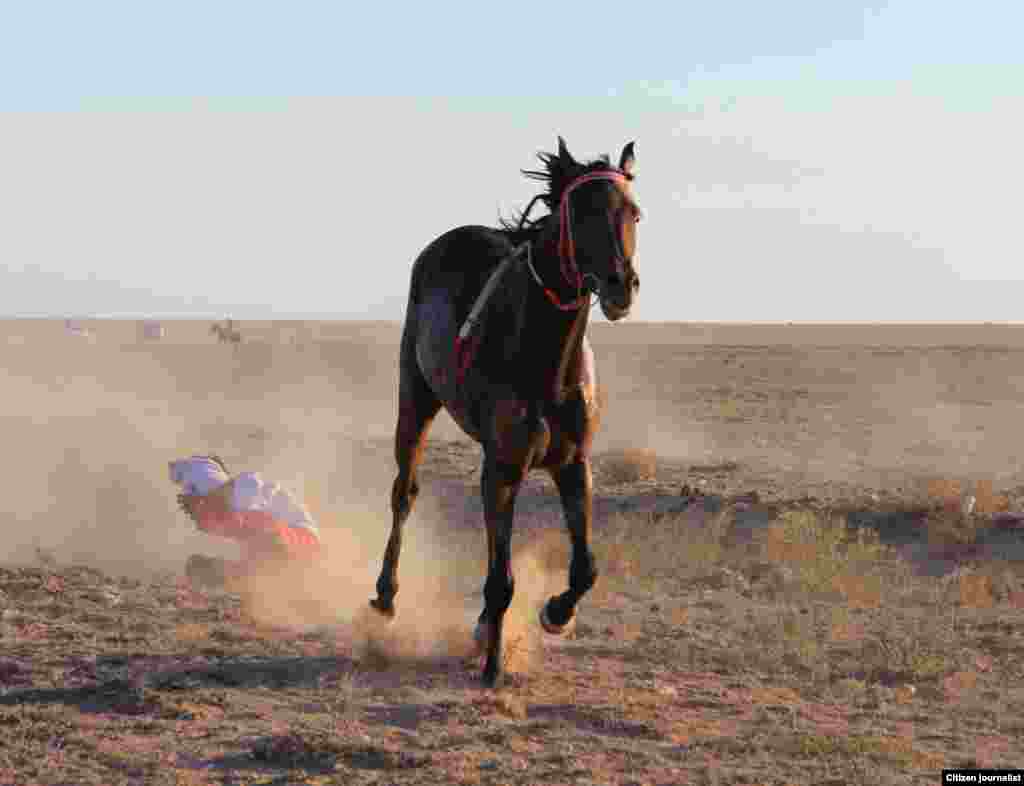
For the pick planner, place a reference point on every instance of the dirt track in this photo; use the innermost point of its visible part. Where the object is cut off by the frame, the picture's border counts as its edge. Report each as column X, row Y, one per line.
column 732, row 639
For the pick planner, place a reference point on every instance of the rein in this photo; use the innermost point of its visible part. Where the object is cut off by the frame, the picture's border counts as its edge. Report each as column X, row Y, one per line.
column 572, row 305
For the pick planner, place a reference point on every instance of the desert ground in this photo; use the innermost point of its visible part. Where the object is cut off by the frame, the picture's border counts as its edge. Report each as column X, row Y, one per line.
column 810, row 541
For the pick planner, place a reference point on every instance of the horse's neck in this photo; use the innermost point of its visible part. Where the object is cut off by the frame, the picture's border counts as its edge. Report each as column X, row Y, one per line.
column 550, row 340
column 572, row 354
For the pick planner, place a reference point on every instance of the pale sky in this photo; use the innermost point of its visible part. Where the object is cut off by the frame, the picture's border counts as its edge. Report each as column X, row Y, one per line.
column 795, row 160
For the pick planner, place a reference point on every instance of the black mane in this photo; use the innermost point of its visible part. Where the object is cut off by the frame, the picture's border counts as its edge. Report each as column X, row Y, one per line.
column 557, row 174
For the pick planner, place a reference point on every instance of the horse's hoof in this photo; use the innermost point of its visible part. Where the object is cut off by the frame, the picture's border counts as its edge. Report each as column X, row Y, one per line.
column 552, row 628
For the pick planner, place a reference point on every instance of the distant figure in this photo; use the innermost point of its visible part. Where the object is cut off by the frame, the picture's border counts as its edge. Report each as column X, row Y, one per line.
column 227, row 333
column 268, row 522
column 152, row 330
column 74, row 327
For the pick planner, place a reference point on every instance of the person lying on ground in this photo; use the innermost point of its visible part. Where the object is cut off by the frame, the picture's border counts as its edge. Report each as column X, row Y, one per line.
column 270, row 524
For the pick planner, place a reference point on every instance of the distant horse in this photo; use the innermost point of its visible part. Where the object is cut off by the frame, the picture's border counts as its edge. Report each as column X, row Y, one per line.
column 226, row 333
column 495, row 331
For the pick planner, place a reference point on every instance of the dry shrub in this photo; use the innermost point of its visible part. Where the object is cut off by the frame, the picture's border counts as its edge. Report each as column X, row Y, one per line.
column 686, row 731
column 679, row 616
column 988, row 501
column 630, row 465
column 619, row 560
column 825, row 555
column 189, row 778
column 850, row 689
column 927, row 760
column 846, row 632
column 729, row 410
column 942, row 489
column 904, row 694
column 642, row 546
column 921, row 649
column 510, row 705
column 860, row 592
column 775, row 696
column 810, row 545
column 626, row 632
column 950, row 493
column 959, row 683
column 976, row 591
column 521, row 646
column 780, row 547
column 798, row 640
column 192, row 632
column 951, row 529
column 175, row 708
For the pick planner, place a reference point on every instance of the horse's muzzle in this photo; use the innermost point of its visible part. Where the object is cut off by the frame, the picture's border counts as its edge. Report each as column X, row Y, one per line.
column 617, row 295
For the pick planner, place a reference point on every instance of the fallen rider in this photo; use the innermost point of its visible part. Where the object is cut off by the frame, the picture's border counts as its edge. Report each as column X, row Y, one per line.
column 272, row 527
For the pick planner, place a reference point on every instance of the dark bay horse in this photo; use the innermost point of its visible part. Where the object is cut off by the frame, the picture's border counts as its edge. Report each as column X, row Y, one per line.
column 495, row 331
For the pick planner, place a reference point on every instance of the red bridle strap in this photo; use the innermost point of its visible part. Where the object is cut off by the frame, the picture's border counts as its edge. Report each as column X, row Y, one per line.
column 550, row 294
column 566, row 245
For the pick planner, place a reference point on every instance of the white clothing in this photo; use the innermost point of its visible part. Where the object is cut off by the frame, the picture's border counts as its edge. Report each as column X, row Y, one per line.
column 252, row 492
column 201, row 475
column 198, row 475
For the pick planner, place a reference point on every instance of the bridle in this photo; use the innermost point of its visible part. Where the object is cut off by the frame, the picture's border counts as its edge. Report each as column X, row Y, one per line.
column 567, row 245
column 465, row 341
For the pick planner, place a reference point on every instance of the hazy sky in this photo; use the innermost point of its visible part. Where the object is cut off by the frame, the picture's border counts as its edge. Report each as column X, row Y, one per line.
column 795, row 160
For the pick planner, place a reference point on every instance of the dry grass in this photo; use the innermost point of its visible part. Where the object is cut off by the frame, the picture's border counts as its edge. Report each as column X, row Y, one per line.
column 653, row 548
column 630, row 465
column 814, row 646
column 952, row 495
column 800, row 653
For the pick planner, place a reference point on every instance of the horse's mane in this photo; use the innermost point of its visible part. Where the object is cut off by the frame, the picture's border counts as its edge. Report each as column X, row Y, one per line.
column 557, row 174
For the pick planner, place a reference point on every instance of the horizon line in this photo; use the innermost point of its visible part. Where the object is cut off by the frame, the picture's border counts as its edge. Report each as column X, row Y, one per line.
column 193, row 317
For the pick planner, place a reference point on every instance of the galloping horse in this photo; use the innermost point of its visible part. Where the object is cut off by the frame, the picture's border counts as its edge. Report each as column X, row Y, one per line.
column 495, row 331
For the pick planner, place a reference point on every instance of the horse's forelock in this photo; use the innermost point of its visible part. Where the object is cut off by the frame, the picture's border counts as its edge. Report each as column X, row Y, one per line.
column 561, row 175
column 557, row 174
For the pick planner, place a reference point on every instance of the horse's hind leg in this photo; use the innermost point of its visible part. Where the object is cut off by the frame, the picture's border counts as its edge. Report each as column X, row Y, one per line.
column 574, row 487
column 417, row 407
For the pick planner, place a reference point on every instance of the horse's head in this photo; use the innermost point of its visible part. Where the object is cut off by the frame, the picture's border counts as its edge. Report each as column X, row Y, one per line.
column 597, row 224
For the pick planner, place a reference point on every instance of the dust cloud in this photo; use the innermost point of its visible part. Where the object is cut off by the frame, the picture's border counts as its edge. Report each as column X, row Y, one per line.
column 89, row 430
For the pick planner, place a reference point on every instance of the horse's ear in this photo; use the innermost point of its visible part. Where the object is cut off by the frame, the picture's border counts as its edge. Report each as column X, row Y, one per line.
column 628, row 158
column 564, row 156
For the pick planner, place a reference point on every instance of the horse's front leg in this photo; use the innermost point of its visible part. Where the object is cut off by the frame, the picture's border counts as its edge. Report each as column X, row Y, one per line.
column 507, row 459
column 575, row 489
column 500, row 484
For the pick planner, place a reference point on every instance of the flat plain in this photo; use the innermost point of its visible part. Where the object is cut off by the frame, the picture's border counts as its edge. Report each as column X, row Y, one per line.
column 810, row 541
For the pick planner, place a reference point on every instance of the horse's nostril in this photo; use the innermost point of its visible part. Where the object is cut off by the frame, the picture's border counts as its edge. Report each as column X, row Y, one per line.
column 636, row 283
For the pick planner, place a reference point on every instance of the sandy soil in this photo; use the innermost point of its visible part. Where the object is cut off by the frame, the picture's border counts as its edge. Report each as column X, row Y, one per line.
column 742, row 632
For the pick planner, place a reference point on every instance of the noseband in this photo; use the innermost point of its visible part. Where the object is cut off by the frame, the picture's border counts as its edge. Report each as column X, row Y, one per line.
column 567, row 246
